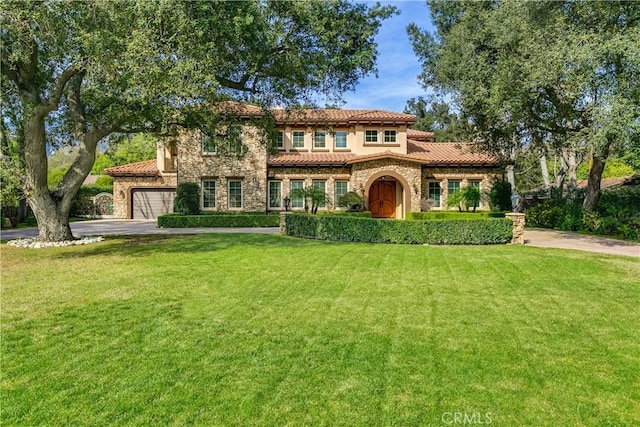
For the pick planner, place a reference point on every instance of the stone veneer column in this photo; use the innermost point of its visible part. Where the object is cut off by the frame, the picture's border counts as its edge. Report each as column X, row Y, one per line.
column 517, row 237
column 283, row 222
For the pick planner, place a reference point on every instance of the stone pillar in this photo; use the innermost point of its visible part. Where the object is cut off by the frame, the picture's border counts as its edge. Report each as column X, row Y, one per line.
column 283, row 222
column 517, row 236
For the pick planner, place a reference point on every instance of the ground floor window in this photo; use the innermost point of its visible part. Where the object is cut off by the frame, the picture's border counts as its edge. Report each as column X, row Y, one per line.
column 341, row 188
column 275, row 194
column 235, row 194
column 322, row 186
column 296, row 184
column 434, row 193
column 208, row 194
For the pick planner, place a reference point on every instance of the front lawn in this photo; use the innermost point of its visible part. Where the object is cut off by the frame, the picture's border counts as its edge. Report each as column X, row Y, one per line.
column 257, row 330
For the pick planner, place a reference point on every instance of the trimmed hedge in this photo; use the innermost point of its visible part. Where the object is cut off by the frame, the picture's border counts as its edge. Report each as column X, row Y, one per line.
column 428, row 216
column 348, row 229
column 362, row 214
column 231, row 220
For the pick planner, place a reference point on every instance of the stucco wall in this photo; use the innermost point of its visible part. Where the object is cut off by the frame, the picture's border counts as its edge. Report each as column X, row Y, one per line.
column 122, row 187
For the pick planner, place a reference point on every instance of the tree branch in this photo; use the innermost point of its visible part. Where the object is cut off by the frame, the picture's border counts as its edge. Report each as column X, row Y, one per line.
column 76, row 109
column 61, row 82
column 239, row 85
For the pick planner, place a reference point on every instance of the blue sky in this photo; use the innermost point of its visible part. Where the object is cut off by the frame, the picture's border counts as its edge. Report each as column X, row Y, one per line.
column 398, row 67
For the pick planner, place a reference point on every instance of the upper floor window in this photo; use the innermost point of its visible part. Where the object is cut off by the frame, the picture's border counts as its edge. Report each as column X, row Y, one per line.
column 280, row 140
column 320, row 139
column 341, row 139
column 208, row 143
column 390, row 136
column 297, row 139
column 371, row 136
column 234, row 139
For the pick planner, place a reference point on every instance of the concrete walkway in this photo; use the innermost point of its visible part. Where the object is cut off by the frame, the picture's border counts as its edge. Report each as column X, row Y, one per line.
column 569, row 240
column 533, row 236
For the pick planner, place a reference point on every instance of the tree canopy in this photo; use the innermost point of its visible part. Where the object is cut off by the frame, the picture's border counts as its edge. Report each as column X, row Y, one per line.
column 75, row 72
column 555, row 75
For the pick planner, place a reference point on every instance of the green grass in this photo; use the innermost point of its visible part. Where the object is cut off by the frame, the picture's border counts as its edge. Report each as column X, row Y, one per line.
column 270, row 331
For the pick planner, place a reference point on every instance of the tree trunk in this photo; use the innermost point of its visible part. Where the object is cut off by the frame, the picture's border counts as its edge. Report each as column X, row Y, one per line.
column 51, row 209
column 545, row 171
column 511, row 177
column 593, row 185
column 53, row 221
column 572, row 169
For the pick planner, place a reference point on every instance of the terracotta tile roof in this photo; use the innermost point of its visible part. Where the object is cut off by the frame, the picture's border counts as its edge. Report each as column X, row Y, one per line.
column 146, row 168
column 448, row 153
column 302, row 159
column 384, row 155
column 427, row 153
column 420, row 135
column 340, row 117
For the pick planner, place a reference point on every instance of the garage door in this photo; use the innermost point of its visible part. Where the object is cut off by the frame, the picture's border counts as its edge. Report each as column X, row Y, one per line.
column 150, row 203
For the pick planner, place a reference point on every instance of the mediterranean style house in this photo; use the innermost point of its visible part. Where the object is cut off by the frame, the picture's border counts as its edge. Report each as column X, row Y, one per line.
column 374, row 153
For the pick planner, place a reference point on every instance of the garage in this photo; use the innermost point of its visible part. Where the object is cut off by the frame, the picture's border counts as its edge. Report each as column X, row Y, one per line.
column 149, row 203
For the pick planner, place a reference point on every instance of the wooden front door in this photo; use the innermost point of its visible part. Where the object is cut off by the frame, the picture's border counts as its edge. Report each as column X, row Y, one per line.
column 382, row 199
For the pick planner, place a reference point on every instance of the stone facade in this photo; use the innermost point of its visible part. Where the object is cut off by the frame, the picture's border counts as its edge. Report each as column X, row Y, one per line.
column 365, row 146
column 308, row 174
column 406, row 174
column 250, row 168
column 443, row 175
column 123, row 186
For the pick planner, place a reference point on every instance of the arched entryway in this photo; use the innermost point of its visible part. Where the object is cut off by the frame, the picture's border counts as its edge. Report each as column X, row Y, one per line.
column 382, row 198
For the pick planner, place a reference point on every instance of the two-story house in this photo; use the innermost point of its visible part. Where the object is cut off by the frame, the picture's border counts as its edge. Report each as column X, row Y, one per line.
column 372, row 152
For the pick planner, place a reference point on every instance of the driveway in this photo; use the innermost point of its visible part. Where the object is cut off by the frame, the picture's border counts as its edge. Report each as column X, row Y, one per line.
column 131, row 226
column 533, row 236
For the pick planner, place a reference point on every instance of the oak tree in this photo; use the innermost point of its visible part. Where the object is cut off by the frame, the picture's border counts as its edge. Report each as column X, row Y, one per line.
column 75, row 72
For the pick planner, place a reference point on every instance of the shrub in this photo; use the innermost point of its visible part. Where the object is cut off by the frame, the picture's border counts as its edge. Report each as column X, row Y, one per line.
column 187, row 201
column 434, row 215
column 500, row 196
column 344, row 228
column 231, row 220
column 363, row 214
column 351, row 201
column 616, row 215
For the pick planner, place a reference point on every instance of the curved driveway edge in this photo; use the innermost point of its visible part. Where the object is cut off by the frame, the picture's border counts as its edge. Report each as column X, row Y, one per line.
column 532, row 236
column 569, row 240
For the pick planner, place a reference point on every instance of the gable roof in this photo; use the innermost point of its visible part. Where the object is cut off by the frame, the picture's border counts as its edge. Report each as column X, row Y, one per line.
column 146, row 168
